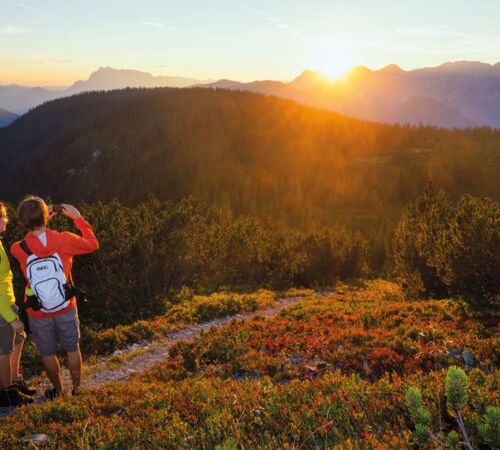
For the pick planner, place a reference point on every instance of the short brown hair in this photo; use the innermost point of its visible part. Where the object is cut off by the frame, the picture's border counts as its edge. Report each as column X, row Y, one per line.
column 32, row 212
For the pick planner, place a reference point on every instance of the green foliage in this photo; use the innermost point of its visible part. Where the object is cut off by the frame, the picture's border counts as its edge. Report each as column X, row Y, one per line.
column 423, row 223
column 470, row 257
column 413, row 401
column 421, row 433
column 160, row 250
column 443, row 248
column 419, row 415
column 489, row 427
column 456, row 389
column 453, row 440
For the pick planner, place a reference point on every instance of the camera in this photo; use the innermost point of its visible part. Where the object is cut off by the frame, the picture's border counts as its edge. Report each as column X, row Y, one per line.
column 57, row 208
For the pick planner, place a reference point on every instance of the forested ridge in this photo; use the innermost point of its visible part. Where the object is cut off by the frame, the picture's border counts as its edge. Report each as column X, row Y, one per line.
column 253, row 153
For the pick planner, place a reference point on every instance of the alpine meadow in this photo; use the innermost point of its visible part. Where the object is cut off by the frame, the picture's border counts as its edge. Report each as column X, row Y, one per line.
column 226, row 260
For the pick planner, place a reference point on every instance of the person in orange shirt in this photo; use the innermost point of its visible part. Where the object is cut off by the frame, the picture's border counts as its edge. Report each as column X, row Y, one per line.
column 55, row 316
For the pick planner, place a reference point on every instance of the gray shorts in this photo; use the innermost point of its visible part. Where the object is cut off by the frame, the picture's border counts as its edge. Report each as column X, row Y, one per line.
column 8, row 337
column 47, row 332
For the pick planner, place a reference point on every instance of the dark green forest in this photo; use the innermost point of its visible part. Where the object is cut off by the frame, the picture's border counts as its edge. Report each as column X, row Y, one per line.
column 252, row 153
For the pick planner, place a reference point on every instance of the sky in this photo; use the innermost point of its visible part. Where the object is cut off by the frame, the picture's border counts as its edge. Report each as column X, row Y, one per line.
column 56, row 42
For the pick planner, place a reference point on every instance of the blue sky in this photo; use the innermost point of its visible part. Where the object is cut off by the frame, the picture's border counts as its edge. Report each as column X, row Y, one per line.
column 55, row 42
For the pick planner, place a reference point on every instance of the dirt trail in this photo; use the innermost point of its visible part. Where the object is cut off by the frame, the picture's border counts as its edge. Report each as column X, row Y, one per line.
column 151, row 353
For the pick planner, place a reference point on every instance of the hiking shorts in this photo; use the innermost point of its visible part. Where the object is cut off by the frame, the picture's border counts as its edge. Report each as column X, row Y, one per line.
column 47, row 332
column 8, row 337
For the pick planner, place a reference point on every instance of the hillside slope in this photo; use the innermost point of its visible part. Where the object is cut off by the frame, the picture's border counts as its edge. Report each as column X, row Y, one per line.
column 6, row 117
column 255, row 153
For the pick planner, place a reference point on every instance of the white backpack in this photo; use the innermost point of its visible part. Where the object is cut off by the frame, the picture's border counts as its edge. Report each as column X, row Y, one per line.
column 47, row 280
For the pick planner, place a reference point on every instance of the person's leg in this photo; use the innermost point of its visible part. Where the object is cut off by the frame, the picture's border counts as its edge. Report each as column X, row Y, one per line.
column 5, row 371
column 52, row 368
column 68, row 332
column 75, row 367
column 44, row 337
column 6, row 346
column 15, row 360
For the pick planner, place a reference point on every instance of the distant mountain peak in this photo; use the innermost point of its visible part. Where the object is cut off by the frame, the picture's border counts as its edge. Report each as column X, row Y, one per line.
column 358, row 71
column 467, row 66
column 392, row 68
column 308, row 78
column 111, row 78
column 6, row 117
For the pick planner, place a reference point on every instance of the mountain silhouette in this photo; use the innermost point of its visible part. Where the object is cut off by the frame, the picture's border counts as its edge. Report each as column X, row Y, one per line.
column 6, row 117
column 459, row 94
column 106, row 78
column 455, row 94
column 21, row 98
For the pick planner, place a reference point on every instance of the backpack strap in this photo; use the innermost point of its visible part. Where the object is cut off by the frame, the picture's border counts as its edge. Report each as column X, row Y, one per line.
column 25, row 247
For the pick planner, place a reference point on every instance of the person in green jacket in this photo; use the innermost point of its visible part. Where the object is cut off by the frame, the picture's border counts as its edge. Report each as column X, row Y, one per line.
column 13, row 389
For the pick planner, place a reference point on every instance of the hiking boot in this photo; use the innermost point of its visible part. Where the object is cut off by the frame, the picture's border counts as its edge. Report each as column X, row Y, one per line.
column 23, row 387
column 11, row 397
column 51, row 394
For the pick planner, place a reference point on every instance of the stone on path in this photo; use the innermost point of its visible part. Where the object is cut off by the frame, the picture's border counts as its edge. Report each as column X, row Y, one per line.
column 36, row 439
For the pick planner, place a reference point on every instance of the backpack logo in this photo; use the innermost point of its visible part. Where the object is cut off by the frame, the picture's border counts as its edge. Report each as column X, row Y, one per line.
column 42, row 268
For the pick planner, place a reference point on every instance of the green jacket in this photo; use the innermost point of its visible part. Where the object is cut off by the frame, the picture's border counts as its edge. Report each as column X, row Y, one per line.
column 7, row 298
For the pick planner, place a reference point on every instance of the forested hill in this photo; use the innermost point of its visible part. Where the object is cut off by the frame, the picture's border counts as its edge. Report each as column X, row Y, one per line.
column 255, row 153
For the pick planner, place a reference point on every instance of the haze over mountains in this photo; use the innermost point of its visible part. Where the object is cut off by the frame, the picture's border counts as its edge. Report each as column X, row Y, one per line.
column 20, row 99
column 459, row 94
column 6, row 117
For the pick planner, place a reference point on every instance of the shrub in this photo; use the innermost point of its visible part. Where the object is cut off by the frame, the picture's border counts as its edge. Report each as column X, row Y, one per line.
column 443, row 248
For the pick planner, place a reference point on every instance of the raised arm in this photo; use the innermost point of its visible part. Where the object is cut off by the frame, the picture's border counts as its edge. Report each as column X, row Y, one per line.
column 79, row 245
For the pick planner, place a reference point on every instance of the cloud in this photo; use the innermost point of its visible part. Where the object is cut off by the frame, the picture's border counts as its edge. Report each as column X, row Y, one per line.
column 159, row 25
column 31, row 8
column 10, row 29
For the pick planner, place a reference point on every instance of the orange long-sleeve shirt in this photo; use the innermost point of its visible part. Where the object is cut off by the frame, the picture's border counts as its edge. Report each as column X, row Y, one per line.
column 67, row 245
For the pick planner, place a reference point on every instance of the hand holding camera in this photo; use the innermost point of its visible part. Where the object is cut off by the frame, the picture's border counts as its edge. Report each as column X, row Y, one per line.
column 66, row 209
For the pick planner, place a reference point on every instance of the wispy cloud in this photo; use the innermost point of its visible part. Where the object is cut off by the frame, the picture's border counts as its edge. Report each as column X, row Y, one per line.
column 278, row 24
column 159, row 25
column 29, row 7
column 10, row 29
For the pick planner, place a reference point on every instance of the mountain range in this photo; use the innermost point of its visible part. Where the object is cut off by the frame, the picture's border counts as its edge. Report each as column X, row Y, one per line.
column 454, row 95
column 20, row 99
column 6, row 117
column 460, row 94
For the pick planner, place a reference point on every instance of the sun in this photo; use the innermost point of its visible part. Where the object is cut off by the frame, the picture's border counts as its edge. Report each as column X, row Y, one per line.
column 334, row 73
column 334, row 58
